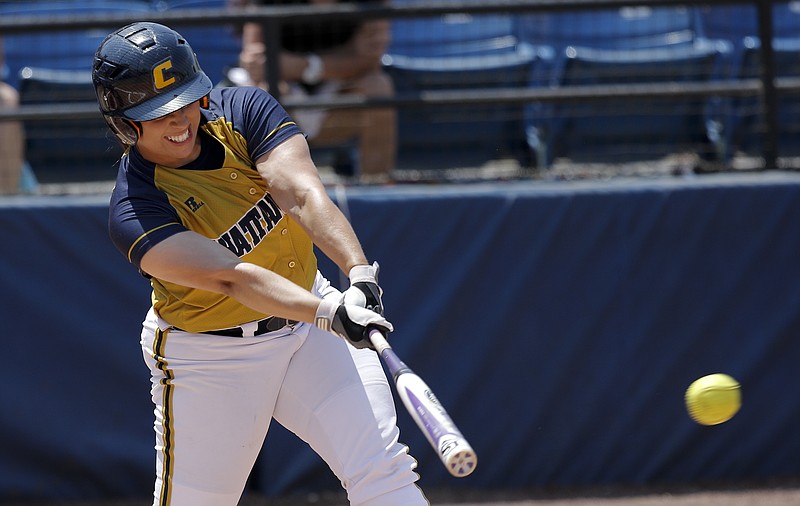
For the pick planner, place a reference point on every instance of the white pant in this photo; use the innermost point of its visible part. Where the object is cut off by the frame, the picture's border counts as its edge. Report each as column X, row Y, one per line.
column 214, row 398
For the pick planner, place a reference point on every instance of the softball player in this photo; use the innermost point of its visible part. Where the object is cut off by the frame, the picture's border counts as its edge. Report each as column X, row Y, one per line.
column 218, row 203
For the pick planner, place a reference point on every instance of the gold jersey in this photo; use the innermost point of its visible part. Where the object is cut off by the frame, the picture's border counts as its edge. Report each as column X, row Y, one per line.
column 221, row 196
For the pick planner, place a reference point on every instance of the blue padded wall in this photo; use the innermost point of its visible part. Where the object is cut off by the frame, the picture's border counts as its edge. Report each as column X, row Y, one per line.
column 559, row 323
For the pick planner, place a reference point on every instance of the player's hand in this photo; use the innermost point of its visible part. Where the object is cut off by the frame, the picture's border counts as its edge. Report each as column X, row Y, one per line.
column 364, row 290
column 350, row 322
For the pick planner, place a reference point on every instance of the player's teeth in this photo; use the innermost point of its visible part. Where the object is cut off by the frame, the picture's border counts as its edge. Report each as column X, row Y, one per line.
column 179, row 138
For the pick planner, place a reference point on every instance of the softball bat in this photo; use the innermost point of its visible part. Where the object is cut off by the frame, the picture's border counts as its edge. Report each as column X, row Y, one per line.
column 428, row 413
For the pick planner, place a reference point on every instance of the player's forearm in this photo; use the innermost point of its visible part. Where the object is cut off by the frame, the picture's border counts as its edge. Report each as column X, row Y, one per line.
column 295, row 185
column 270, row 293
column 189, row 259
column 331, row 232
column 344, row 250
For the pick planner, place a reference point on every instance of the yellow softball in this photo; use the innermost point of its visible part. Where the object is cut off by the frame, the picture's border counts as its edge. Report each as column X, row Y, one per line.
column 713, row 399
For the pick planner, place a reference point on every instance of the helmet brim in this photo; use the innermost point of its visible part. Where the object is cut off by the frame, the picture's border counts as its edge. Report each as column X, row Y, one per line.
column 172, row 100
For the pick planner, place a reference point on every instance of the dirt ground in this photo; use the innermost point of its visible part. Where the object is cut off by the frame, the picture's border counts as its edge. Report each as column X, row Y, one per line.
column 782, row 495
column 771, row 494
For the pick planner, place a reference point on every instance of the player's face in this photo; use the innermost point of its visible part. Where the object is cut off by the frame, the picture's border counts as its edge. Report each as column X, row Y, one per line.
column 171, row 140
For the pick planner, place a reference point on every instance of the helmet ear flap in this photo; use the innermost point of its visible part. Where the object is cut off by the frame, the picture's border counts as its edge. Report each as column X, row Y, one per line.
column 126, row 131
column 135, row 126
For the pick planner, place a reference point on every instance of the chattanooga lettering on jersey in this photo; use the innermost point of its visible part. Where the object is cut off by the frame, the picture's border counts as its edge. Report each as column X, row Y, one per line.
column 252, row 227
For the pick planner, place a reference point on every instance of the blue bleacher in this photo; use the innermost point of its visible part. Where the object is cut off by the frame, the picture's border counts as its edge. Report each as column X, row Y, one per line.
column 217, row 47
column 458, row 52
column 633, row 129
column 66, row 150
column 67, row 50
column 738, row 24
column 50, row 67
column 622, row 28
column 55, row 68
column 453, row 35
column 746, row 123
column 465, row 52
column 730, row 22
column 616, row 47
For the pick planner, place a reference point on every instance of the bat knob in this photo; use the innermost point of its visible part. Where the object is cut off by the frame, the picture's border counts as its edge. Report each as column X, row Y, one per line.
column 461, row 460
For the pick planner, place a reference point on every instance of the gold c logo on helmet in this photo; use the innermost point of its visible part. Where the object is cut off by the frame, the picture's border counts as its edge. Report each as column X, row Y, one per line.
column 158, row 75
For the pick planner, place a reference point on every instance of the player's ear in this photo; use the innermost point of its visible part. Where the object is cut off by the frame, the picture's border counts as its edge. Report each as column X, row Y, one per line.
column 204, row 102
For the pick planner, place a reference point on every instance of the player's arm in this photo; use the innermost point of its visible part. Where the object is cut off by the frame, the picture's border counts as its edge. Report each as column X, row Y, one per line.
column 295, row 185
column 189, row 259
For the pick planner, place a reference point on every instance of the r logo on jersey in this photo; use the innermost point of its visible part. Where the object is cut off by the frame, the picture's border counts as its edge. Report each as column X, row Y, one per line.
column 193, row 204
column 159, row 78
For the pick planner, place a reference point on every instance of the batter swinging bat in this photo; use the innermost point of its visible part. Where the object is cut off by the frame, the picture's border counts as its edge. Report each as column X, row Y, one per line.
column 455, row 452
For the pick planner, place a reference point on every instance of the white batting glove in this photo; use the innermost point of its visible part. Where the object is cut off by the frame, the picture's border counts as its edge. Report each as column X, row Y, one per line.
column 364, row 290
column 350, row 322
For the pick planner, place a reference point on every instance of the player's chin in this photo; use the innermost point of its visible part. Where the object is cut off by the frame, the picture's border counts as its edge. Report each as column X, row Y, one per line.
column 185, row 149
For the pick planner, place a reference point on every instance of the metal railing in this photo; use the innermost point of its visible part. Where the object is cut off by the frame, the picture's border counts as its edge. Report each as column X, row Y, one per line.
column 765, row 87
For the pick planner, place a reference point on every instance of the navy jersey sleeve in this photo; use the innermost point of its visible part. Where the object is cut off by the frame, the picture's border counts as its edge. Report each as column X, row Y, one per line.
column 262, row 121
column 140, row 216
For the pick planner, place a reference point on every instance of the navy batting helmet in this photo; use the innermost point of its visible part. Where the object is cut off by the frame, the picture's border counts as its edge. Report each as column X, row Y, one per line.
column 142, row 72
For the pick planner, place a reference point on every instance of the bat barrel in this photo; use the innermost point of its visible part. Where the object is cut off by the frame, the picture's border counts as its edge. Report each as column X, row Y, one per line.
column 427, row 412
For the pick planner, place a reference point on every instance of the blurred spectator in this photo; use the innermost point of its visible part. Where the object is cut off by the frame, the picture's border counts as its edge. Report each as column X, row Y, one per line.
column 324, row 58
column 12, row 136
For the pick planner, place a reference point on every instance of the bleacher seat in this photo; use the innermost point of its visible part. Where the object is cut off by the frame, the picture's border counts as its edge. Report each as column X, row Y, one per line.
column 458, row 52
column 453, row 35
column 55, row 68
column 64, row 50
column 738, row 24
column 637, row 44
column 64, row 150
column 631, row 129
column 621, row 28
column 747, row 126
column 217, row 46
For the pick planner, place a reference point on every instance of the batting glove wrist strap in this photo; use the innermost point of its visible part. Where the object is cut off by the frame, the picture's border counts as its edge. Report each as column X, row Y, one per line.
column 350, row 322
column 325, row 314
column 364, row 290
column 364, row 273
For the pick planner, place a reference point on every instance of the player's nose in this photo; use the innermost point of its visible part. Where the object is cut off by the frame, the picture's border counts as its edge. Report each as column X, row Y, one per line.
column 178, row 118
column 179, row 115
